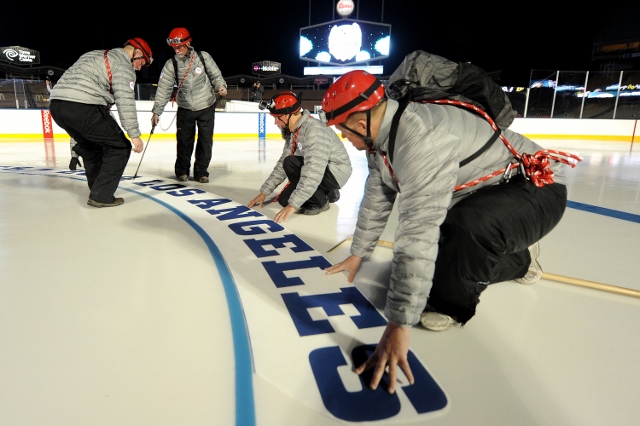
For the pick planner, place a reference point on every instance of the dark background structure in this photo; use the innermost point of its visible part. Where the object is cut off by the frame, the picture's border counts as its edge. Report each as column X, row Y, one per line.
column 507, row 42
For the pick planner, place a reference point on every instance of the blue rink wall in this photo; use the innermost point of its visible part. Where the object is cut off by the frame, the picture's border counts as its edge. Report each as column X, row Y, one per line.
column 244, row 120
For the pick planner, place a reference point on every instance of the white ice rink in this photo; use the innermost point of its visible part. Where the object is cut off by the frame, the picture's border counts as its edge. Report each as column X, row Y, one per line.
column 182, row 308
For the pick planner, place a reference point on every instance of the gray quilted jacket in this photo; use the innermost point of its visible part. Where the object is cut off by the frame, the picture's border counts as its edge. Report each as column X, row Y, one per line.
column 197, row 90
column 319, row 145
column 430, row 143
column 87, row 82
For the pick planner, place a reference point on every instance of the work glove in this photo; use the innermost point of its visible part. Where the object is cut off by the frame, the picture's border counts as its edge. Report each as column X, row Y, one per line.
column 75, row 161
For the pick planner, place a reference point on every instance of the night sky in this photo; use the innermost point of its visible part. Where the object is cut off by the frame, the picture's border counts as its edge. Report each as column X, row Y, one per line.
column 545, row 37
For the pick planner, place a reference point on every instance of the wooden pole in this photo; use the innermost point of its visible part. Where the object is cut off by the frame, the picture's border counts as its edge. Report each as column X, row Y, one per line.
column 350, row 237
column 546, row 275
column 591, row 284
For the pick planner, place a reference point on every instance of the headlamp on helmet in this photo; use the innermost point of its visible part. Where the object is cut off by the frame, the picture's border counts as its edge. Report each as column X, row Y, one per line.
column 178, row 37
column 284, row 103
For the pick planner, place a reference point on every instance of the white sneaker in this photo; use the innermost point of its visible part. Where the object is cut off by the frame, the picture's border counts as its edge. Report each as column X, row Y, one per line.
column 535, row 270
column 435, row 321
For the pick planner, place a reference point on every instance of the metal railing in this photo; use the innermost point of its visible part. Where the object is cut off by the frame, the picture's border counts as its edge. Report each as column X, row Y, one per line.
column 579, row 94
column 551, row 94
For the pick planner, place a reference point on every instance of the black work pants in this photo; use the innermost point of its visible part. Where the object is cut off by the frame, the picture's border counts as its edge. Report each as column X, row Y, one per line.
column 102, row 144
column 186, row 122
column 292, row 166
column 485, row 238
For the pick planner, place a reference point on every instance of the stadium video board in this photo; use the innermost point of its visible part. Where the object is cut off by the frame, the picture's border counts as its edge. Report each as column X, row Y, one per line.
column 345, row 42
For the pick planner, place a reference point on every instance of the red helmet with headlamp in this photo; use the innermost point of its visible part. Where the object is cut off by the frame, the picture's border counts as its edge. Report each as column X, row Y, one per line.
column 178, row 37
column 284, row 103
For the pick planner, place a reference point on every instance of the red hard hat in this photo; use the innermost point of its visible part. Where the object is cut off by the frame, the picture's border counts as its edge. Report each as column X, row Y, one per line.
column 143, row 46
column 283, row 103
column 354, row 91
column 178, row 37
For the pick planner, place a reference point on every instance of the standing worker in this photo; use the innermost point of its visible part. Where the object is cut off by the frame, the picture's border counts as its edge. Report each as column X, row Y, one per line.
column 256, row 92
column 75, row 158
column 198, row 79
column 80, row 104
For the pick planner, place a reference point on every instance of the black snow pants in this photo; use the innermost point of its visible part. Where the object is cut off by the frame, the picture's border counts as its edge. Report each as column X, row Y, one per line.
column 485, row 238
column 101, row 142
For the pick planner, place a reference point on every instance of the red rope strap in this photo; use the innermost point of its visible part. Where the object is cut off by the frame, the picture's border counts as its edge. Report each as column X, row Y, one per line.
column 535, row 167
column 193, row 55
column 106, row 62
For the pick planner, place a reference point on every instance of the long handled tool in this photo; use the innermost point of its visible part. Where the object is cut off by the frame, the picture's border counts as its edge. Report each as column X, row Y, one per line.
column 553, row 277
column 143, row 151
column 591, row 284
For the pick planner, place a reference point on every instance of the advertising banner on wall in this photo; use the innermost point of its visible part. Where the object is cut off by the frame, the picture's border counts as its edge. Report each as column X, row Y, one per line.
column 267, row 68
column 19, row 55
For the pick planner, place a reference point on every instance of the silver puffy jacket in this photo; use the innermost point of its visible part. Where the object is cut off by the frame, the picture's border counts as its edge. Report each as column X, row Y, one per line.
column 198, row 88
column 320, row 146
column 87, row 82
